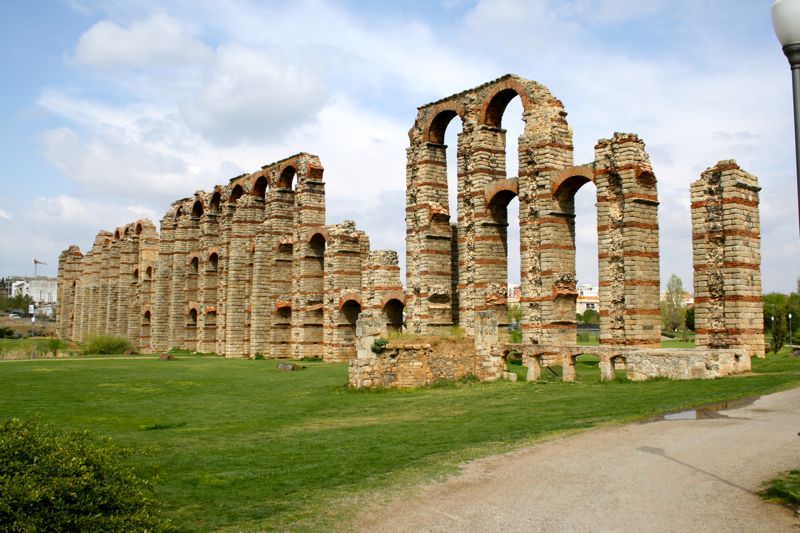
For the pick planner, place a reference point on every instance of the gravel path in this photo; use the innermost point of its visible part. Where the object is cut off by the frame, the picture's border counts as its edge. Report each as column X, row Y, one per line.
column 669, row 475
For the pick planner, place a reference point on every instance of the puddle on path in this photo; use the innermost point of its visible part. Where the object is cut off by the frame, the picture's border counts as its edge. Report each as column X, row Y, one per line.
column 711, row 410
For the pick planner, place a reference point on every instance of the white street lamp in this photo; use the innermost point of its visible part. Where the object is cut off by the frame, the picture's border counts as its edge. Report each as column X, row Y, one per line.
column 790, row 328
column 786, row 21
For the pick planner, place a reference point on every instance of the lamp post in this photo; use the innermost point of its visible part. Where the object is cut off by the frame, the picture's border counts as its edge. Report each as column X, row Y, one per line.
column 786, row 21
column 790, row 329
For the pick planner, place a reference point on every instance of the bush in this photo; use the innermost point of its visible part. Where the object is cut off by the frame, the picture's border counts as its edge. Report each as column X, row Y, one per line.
column 6, row 333
column 54, row 345
column 53, row 481
column 378, row 345
column 107, row 345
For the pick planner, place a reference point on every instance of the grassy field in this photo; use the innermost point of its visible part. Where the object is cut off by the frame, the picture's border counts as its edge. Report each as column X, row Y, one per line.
column 239, row 445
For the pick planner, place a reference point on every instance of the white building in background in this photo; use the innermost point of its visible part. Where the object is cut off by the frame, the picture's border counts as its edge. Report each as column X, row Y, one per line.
column 42, row 290
column 588, row 298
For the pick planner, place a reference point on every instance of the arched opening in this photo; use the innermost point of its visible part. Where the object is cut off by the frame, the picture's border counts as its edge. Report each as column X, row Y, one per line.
column 236, row 193
column 449, row 137
column 393, row 312
column 148, row 273
column 213, row 261
column 500, row 251
column 282, row 332
column 197, row 209
column 191, row 330
column 178, row 213
column 194, row 265
column 579, row 256
column 146, row 329
column 619, row 365
column 215, row 200
column 192, row 318
column 116, row 235
column 138, row 229
column 350, row 311
column 135, row 275
column 260, row 187
column 286, row 179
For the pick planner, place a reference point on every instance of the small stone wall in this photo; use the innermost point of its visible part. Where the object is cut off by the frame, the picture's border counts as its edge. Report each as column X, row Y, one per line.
column 423, row 360
column 686, row 364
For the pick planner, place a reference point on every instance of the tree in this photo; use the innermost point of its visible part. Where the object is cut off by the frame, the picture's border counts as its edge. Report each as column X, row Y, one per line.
column 514, row 314
column 778, row 330
column 673, row 307
column 689, row 320
column 590, row 316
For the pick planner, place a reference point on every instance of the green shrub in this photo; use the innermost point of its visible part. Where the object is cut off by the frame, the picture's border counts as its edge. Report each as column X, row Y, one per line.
column 107, row 345
column 53, row 481
column 6, row 333
column 259, row 356
column 54, row 345
column 379, row 344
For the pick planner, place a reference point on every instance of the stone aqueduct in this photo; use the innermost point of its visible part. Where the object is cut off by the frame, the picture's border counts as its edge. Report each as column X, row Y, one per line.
column 251, row 268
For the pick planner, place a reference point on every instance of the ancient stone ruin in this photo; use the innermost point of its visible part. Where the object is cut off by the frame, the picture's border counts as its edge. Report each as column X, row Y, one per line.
column 248, row 268
column 252, row 268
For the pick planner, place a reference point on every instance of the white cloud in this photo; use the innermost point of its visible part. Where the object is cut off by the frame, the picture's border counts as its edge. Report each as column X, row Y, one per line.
column 4, row 215
column 250, row 95
column 159, row 40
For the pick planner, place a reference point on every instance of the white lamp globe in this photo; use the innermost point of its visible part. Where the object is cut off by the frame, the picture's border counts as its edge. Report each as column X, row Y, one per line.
column 786, row 21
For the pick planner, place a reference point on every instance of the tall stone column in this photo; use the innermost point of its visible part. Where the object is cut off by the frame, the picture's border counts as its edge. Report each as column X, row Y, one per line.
column 243, row 235
column 726, row 237
column 429, row 237
column 628, row 260
column 69, row 263
column 343, row 283
column 308, row 259
column 160, row 320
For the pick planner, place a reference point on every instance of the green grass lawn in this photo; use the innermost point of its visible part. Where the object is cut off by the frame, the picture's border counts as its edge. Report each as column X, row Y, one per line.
column 241, row 446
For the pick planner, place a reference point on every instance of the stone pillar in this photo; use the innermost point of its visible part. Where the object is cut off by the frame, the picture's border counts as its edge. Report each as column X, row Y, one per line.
column 160, row 318
column 726, row 237
column 428, row 237
column 628, row 256
column 343, row 282
column 178, row 310
column 146, row 259
column 308, row 260
column 127, row 283
column 383, row 291
column 209, row 248
column 240, row 268
column 69, row 262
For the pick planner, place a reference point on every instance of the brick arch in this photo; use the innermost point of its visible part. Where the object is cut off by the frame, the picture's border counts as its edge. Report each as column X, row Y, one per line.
column 350, row 297
column 393, row 295
column 287, row 177
column 571, row 179
column 236, row 192
column 314, row 231
column 198, row 208
column 496, row 101
column 259, row 185
column 440, row 117
column 505, row 187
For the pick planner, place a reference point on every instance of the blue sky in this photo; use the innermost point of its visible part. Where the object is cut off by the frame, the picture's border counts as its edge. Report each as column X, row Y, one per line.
column 111, row 110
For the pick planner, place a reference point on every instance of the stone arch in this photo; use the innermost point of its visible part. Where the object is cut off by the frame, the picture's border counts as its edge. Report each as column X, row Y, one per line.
column 286, row 178
column 260, row 187
column 235, row 193
column 148, row 273
column 194, row 264
column 496, row 101
column 392, row 310
column 440, row 119
column 213, row 262
column 197, row 209
column 135, row 275
column 216, row 197
column 138, row 228
column 569, row 180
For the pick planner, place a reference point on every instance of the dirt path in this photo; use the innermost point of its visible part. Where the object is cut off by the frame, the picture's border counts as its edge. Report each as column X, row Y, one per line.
column 676, row 475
